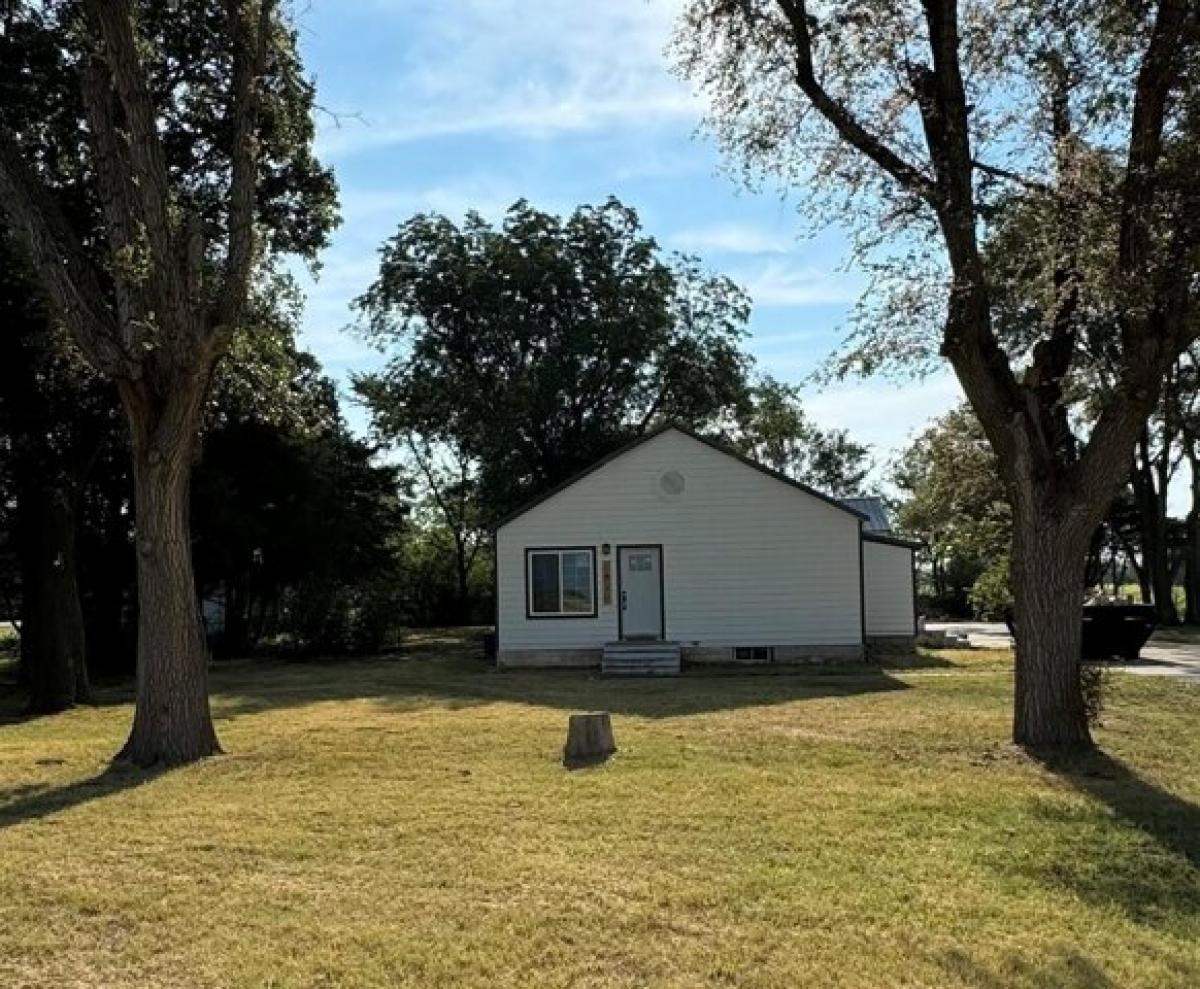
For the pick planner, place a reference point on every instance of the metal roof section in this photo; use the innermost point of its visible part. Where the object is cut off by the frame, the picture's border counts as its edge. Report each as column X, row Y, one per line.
column 871, row 506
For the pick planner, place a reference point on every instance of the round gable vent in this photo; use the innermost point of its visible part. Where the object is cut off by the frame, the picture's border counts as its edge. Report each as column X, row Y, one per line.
column 672, row 483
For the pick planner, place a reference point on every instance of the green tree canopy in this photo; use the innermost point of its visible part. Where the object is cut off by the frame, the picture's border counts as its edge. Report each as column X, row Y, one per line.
column 537, row 345
column 774, row 430
column 153, row 157
column 954, row 503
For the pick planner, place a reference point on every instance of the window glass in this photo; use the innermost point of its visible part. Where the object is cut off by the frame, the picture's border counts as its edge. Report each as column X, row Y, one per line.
column 641, row 561
column 544, row 583
column 577, row 583
column 562, row 582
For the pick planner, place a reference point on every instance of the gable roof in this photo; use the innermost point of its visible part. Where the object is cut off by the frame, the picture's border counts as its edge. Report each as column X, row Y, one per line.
column 872, row 507
column 712, row 444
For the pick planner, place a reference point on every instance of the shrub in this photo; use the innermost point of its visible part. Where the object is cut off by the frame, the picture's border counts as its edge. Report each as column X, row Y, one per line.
column 326, row 616
column 991, row 594
column 1094, row 682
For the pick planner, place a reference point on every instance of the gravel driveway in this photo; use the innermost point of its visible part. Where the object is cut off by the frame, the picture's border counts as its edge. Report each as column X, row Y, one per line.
column 1168, row 653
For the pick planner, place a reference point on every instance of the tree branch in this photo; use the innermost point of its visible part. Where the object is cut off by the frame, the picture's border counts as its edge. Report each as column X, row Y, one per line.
column 114, row 22
column 113, row 168
column 1158, row 74
column 1150, row 338
column 996, row 171
column 844, row 121
column 70, row 281
column 969, row 341
column 249, row 62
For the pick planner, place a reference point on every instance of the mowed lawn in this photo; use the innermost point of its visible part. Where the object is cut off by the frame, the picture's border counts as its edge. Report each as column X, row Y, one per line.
column 406, row 822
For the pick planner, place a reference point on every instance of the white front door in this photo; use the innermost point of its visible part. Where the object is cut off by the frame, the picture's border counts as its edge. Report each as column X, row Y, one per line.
column 639, row 570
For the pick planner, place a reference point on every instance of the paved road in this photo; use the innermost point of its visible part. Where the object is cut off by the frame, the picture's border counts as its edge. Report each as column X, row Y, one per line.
column 1160, row 657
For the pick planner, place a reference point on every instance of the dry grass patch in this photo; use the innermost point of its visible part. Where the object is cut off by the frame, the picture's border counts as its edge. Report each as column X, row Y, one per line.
column 405, row 822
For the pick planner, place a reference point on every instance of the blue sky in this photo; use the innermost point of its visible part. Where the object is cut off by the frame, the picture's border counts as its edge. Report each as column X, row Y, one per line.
column 450, row 105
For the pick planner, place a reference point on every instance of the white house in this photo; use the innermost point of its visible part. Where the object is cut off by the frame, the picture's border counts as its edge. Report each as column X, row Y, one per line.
column 677, row 548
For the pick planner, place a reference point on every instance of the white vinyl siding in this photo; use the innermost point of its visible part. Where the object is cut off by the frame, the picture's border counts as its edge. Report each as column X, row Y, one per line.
column 746, row 559
column 889, row 589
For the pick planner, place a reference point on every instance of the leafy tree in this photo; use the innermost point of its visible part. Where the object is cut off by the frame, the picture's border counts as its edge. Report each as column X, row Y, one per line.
column 453, row 511
column 181, row 136
column 775, row 431
column 954, row 504
column 535, row 347
column 1019, row 252
column 1187, row 415
column 294, row 527
column 298, row 533
column 430, row 581
column 923, row 119
column 54, row 414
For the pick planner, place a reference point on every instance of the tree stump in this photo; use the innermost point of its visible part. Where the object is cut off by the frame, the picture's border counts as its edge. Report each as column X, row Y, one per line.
column 589, row 739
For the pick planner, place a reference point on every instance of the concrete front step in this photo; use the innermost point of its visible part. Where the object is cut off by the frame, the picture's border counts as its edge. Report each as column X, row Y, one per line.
column 641, row 659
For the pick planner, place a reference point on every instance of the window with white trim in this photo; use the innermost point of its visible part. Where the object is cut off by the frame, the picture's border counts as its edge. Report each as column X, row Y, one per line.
column 561, row 583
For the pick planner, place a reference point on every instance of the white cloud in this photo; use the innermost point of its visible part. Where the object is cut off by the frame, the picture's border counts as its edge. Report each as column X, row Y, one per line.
column 375, row 213
column 536, row 116
column 886, row 415
column 529, row 68
column 732, row 238
column 327, row 314
column 780, row 283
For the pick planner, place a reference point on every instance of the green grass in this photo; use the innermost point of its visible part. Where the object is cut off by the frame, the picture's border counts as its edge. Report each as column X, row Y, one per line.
column 406, row 822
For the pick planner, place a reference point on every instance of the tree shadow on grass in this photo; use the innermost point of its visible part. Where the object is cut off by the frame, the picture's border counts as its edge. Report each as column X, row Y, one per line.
column 1152, row 878
column 14, row 703
column 33, row 802
column 1064, row 969
column 408, row 684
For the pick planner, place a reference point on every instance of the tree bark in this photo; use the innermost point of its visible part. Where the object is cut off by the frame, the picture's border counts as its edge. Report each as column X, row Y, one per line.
column 172, row 721
column 235, row 637
column 589, row 739
column 1139, row 571
column 462, row 573
column 1158, row 567
column 52, row 633
column 1152, row 524
column 1192, row 570
column 1047, row 573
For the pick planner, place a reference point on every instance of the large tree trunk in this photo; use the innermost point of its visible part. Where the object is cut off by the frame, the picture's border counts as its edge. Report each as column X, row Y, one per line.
column 1149, row 485
column 235, row 637
column 462, row 573
column 172, row 722
column 52, row 634
column 1158, row 567
column 1145, row 591
column 1192, row 569
column 1047, row 574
